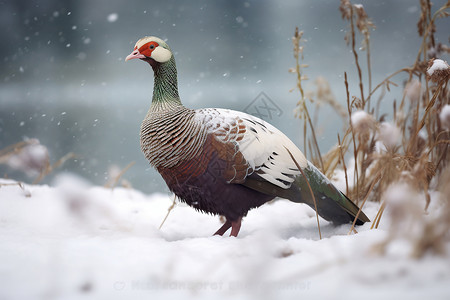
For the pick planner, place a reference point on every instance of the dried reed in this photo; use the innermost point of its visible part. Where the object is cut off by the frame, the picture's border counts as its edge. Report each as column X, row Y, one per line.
column 411, row 149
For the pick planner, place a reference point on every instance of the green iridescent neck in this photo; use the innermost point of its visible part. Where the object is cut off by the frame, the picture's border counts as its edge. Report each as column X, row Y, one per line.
column 165, row 89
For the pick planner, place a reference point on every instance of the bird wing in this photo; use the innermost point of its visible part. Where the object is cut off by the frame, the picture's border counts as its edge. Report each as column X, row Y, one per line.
column 261, row 157
column 252, row 146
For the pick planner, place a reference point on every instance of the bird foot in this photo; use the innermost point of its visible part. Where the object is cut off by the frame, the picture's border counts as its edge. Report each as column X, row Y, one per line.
column 235, row 227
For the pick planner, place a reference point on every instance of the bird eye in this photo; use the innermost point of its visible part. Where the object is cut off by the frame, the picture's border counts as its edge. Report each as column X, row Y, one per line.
column 152, row 46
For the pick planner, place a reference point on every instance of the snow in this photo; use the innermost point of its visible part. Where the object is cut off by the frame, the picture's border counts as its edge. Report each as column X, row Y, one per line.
column 358, row 117
column 438, row 64
column 72, row 240
column 32, row 159
column 362, row 122
column 389, row 134
column 444, row 116
column 423, row 134
column 412, row 90
column 112, row 17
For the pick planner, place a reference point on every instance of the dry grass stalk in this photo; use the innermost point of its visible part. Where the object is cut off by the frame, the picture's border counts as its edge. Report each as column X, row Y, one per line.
column 363, row 23
column 334, row 157
column 310, row 190
column 412, row 148
column 113, row 182
column 355, row 153
column 49, row 168
column 6, row 152
column 324, row 95
column 301, row 108
column 410, row 154
column 19, row 184
column 341, row 156
column 28, row 156
column 32, row 158
column 169, row 210
column 362, row 205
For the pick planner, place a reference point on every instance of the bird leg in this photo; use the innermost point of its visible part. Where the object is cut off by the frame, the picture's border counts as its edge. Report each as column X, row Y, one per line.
column 224, row 228
column 235, row 227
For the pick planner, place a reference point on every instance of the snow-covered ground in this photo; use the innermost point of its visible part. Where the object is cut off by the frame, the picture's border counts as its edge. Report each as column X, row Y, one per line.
column 72, row 240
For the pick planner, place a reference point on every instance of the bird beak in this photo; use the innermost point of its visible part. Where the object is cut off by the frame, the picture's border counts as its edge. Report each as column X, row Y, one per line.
column 134, row 54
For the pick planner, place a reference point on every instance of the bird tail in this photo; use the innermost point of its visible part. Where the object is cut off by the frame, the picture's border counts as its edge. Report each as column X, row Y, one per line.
column 332, row 205
column 328, row 201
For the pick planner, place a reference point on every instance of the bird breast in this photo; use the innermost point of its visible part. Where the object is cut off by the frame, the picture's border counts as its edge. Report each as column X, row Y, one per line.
column 169, row 137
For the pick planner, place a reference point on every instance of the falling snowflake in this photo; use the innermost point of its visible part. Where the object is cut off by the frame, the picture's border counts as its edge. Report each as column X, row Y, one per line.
column 113, row 17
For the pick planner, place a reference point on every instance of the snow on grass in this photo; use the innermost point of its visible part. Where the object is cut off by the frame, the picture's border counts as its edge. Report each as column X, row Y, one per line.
column 362, row 122
column 444, row 116
column 438, row 65
column 412, row 90
column 358, row 117
column 32, row 158
column 389, row 134
column 438, row 70
column 73, row 240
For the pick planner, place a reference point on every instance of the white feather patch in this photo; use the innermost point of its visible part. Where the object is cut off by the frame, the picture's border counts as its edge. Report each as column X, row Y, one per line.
column 263, row 146
column 161, row 54
column 147, row 39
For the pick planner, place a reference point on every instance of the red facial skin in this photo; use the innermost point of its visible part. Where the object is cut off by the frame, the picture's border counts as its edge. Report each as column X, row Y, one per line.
column 148, row 48
column 143, row 52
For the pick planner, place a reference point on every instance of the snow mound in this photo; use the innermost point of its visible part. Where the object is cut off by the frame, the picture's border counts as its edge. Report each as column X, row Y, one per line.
column 75, row 240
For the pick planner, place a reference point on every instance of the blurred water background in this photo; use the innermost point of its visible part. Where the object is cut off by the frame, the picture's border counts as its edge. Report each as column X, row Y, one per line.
column 63, row 79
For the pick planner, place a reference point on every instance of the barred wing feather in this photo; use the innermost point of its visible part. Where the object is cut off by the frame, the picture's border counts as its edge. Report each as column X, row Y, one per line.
column 264, row 147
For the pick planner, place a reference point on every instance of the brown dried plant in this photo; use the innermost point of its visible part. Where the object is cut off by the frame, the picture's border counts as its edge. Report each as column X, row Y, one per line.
column 356, row 14
column 31, row 157
column 323, row 95
column 301, row 108
column 412, row 148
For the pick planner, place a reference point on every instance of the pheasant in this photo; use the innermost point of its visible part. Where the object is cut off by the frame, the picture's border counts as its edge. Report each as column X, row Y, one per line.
column 226, row 162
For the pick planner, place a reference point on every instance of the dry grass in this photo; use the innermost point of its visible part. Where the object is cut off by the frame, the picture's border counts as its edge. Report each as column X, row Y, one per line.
column 412, row 148
column 20, row 185
column 31, row 157
column 115, row 174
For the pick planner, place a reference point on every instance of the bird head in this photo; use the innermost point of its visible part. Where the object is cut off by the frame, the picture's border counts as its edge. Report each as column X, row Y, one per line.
column 151, row 49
